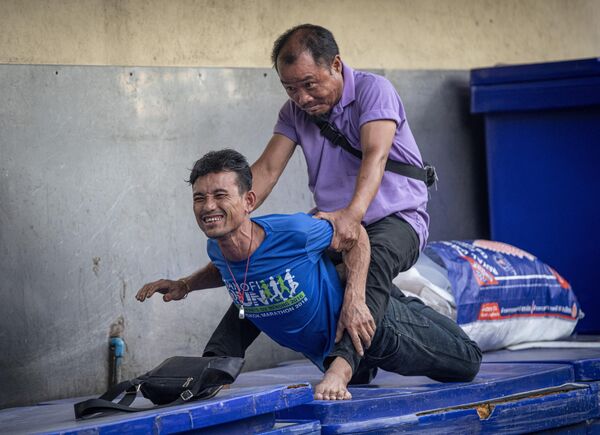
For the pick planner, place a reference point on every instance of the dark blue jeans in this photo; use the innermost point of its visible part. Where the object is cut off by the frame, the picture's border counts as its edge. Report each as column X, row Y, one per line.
column 414, row 340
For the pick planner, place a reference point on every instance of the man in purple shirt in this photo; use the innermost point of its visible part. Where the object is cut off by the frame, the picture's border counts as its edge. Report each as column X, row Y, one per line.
column 348, row 192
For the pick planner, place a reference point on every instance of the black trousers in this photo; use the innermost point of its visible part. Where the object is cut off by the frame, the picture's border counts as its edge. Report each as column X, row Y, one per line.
column 415, row 340
column 394, row 248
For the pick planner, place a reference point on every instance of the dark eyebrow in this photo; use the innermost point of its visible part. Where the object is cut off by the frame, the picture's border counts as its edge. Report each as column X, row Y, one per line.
column 213, row 192
column 305, row 79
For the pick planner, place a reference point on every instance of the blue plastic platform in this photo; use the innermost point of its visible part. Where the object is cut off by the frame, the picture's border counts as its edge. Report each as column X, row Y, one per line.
column 294, row 427
column 400, row 398
column 574, row 405
column 585, row 362
column 511, row 397
column 240, row 410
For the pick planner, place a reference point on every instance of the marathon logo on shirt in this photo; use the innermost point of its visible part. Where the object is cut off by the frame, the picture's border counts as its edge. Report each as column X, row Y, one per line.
column 274, row 295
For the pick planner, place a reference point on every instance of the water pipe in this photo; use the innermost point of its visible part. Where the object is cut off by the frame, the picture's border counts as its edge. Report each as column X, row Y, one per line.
column 116, row 352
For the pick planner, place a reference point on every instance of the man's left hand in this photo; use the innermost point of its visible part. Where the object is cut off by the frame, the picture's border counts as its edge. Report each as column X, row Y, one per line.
column 346, row 226
column 357, row 320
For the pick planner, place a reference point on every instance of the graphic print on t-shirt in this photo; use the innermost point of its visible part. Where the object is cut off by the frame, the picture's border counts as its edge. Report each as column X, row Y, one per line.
column 270, row 296
column 292, row 291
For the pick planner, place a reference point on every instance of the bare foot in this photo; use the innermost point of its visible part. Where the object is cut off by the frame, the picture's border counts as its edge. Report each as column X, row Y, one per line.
column 335, row 382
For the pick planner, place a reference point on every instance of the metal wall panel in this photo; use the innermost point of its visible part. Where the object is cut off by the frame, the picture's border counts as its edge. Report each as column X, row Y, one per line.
column 93, row 204
column 437, row 108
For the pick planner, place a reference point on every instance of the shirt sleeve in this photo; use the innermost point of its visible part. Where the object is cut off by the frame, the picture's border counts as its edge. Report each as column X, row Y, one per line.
column 379, row 100
column 285, row 124
column 319, row 235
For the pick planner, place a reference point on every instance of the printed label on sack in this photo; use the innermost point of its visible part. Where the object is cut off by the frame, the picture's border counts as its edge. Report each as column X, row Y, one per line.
column 489, row 311
column 563, row 282
column 493, row 281
column 493, row 311
column 503, row 248
column 482, row 276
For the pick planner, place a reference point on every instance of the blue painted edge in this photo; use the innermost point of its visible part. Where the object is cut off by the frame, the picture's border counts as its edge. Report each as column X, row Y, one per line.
column 295, row 427
column 585, row 361
column 333, row 412
column 197, row 415
column 543, row 95
column 518, row 416
column 535, row 72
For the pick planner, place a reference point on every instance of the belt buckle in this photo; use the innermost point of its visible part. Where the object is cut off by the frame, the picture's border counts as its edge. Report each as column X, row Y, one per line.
column 186, row 395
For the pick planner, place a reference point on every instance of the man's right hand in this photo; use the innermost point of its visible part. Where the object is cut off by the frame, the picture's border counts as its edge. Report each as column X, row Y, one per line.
column 171, row 290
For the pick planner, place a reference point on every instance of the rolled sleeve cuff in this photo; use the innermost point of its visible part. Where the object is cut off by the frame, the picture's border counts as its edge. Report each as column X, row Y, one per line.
column 344, row 349
column 379, row 115
column 286, row 130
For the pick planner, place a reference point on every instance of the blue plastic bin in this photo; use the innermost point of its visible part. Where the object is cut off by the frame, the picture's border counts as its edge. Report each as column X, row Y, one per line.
column 542, row 125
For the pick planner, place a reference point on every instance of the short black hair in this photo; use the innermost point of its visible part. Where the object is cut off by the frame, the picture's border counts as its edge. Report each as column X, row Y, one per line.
column 317, row 40
column 226, row 160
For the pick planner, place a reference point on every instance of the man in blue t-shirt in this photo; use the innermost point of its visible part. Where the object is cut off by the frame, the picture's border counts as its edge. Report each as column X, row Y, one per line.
column 283, row 284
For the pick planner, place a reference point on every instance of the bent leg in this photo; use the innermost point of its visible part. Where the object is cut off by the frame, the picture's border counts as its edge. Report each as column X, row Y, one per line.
column 394, row 248
column 415, row 340
column 232, row 337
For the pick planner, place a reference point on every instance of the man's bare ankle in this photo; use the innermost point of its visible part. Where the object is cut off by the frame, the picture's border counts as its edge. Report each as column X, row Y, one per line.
column 340, row 367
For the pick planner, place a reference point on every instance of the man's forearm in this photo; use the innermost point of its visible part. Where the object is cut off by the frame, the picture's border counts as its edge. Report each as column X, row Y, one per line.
column 355, row 317
column 270, row 165
column 262, row 184
column 207, row 277
column 357, row 261
column 367, row 184
column 376, row 140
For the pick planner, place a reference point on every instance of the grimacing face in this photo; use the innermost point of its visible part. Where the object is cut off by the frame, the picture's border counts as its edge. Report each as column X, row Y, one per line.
column 314, row 88
column 219, row 207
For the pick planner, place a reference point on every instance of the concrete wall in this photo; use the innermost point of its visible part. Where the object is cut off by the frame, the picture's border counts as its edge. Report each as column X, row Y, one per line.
column 424, row 34
column 93, row 204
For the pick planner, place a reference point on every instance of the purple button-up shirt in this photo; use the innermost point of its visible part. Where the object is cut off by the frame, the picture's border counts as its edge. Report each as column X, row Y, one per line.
column 332, row 172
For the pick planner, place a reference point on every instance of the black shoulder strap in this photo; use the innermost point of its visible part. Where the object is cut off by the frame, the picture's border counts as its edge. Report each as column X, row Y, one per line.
column 105, row 402
column 427, row 174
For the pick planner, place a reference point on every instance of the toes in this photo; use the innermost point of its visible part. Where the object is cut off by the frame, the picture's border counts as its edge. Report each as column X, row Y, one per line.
column 331, row 393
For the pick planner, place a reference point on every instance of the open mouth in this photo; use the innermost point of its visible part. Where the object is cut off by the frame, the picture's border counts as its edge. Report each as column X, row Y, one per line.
column 213, row 218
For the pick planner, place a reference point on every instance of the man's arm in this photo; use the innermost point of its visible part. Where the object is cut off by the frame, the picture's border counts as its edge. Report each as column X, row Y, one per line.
column 270, row 165
column 376, row 141
column 206, row 277
column 355, row 316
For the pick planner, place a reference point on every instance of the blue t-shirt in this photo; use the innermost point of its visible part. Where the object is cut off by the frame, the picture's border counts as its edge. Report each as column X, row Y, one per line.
column 292, row 291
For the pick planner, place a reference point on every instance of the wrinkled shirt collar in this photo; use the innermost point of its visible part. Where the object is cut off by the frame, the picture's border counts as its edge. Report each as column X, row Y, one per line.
column 348, row 95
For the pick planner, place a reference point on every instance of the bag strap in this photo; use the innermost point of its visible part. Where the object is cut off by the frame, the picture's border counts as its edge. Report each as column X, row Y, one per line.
column 131, row 388
column 105, row 402
column 426, row 174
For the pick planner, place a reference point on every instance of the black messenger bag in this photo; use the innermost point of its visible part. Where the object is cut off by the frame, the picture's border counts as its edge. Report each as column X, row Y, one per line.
column 177, row 380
